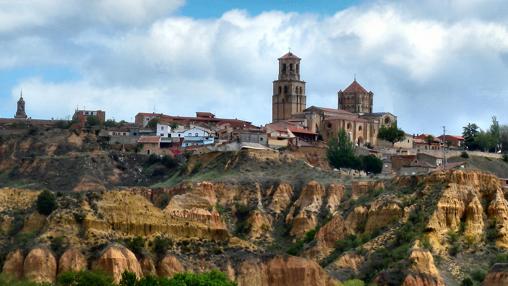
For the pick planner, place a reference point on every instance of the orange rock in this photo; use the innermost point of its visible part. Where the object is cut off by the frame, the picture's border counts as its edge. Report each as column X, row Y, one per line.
column 40, row 266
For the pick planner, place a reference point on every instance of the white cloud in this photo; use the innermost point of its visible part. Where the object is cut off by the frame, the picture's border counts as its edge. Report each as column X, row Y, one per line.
column 429, row 70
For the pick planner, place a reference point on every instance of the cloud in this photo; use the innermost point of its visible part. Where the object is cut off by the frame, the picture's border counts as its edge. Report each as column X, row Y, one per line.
column 429, row 70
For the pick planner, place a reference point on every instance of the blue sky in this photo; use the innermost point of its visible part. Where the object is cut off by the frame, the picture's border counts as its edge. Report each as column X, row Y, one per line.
column 213, row 9
column 432, row 63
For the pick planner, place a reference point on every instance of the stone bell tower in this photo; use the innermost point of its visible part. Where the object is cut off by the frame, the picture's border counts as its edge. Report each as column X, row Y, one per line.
column 20, row 111
column 288, row 90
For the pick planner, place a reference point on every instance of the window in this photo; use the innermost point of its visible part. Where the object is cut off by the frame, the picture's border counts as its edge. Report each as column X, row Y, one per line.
column 297, row 68
column 291, row 67
column 285, row 89
column 196, row 134
column 280, row 90
column 162, row 134
column 284, row 67
column 349, row 126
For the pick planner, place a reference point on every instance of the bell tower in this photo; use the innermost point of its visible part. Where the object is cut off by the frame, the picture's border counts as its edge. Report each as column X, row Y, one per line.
column 288, row 90
column 20, row 111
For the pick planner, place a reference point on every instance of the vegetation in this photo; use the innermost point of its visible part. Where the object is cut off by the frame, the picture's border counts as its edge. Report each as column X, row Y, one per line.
column 136, row 245
column 464, row 155
column 353, row 282
column 488, row 141
column 372, row 164
column 391, row 134
column 92, row 121
column 297, row 247
column 340, row 154
column 161, row 245
column 212, row 278
column 152, row 124
column 84, row 278
column 46, row 202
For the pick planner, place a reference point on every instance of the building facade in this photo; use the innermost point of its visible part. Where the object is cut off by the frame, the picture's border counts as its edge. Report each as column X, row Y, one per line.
column 81, row 116
column 288, row 90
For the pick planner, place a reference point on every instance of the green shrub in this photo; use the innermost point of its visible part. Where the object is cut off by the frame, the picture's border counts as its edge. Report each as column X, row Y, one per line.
column 84, row 278
column 464, row 155
column 212, row 278
column 353, row 282
column 46, row 202
column 161, row 245
column 136, row 245
column 372, row 164
column 478, row 275
column 9, row 281
column 58, row 245
column 467, row 282
column 505, row 157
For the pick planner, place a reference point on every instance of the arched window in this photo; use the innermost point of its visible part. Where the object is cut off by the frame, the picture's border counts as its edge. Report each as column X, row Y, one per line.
column 280, row 90
column 285, row 89
column 348, row 126
column 284, row 67
column 360, row 128
column 291, row 67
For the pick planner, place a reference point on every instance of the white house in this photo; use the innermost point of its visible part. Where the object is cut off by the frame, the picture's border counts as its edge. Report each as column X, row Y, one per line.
column 163, row 130
column 194, row 136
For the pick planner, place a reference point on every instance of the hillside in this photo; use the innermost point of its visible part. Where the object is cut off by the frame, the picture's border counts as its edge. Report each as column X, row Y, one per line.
column 262, row 217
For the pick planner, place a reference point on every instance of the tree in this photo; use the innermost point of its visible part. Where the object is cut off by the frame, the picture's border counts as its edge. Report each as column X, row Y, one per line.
column 92, row 121
column 429, row 139
column 391, row 134
column 469, row 133
column 503, row 137
column 372, row 164
column 46, row 202
column 110, row 123
column 340, row 152
column 152, row 124
column 495, row 132
column 485, row 141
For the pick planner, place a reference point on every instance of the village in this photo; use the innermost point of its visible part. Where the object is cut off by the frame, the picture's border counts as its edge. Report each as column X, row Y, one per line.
column 294, row 126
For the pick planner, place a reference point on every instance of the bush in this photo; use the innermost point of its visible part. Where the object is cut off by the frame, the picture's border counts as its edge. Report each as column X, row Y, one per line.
column 353, row 282
column 58, row 245
column 46, row 202
column 212, row 278
column 136, row 245
column 478, row 275
column 84, row 278
column 372, row 164
column 467, row 282
column 464, row 155
column 161, row 245
column 505, row 157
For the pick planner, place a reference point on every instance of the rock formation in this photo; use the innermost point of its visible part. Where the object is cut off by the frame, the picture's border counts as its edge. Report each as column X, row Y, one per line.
column 283, row 271
column 423, row 271
column 303, row 214
column 40, row 266
column 169, row 266
column 72, row 260
column 117, row 259
column 13, row 265
column 497, row 276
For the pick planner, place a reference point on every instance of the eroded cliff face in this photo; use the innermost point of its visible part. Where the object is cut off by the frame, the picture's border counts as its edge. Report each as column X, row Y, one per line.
column 242, row 228
column 497, row 276
column 283, row 271
column 423, row 271
column 460, row 208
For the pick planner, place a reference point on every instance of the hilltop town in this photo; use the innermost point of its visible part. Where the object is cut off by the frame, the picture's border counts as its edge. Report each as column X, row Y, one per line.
column 294, row 127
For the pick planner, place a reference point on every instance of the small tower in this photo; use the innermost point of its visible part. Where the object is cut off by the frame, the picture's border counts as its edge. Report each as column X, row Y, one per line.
column 355, row 98
column 20, row 111
column 288, row 90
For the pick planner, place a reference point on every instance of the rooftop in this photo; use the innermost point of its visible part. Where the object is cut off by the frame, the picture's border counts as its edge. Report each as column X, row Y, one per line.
column 355, row 87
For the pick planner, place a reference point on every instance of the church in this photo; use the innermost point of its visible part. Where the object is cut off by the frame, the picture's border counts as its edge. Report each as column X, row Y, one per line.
column 354, row 112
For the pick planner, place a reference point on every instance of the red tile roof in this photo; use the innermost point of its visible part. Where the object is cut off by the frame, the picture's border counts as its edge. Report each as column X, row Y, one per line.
column 355, row 87
column 149, row 139
column 289, row 55
column 169, row 118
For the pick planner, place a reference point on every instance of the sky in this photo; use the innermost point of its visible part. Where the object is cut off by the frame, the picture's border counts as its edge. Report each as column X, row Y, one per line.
column 432, row 63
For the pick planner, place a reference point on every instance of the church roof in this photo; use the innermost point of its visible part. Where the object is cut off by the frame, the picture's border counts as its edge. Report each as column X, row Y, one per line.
column 289, row 55
column 355, row 87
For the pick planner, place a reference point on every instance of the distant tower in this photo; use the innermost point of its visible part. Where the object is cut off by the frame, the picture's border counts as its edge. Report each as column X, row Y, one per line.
column 20, row 111
column 355, row 99
column 288, row 91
